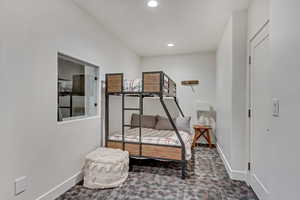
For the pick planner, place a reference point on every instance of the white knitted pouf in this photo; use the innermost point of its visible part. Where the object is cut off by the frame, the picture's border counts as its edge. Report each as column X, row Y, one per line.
column 105, row 168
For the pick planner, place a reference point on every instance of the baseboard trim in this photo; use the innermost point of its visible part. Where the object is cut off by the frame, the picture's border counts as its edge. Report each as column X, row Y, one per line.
column 62, row 188
column 259, row 188
column 233, row 174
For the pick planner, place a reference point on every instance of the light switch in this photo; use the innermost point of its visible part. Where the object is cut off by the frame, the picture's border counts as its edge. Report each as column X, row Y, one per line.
column 275, row 107
column 20, row 185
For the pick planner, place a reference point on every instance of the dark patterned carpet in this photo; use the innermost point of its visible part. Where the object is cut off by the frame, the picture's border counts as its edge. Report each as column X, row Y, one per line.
column 156, row 180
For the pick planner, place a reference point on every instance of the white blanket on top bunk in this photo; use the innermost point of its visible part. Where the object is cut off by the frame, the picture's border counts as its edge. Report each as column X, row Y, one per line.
column 153, row 136
column 132, row 85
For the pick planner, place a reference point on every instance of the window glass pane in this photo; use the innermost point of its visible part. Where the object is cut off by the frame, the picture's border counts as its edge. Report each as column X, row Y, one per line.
column 77, row 89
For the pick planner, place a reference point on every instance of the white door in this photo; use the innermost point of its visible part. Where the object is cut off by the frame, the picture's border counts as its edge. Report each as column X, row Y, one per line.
column 261, row 112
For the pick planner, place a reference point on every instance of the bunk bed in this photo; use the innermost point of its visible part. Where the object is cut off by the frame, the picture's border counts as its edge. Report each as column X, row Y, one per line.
column 153, row 84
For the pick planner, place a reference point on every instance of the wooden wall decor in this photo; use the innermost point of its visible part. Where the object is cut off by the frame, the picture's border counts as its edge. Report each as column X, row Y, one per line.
column 190, row 82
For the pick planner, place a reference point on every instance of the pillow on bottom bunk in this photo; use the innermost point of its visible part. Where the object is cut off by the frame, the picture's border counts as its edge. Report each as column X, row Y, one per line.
column 163, row 123
column 183, row 124
column 148, row 121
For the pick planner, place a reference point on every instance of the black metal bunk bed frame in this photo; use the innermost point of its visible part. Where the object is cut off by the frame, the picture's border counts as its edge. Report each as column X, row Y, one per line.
column 163, row 92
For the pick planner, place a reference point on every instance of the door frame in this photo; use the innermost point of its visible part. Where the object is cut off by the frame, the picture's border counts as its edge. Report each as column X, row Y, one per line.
column 248, row 104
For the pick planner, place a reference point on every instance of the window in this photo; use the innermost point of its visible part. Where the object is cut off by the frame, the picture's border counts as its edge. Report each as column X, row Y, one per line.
column 77, row 88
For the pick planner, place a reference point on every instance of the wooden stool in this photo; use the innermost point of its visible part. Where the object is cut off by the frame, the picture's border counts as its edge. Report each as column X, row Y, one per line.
column 204, row 131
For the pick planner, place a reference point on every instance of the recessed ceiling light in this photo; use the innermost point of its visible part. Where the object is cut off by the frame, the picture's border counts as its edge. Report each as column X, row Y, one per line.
column 171, row 45
column 152, row 3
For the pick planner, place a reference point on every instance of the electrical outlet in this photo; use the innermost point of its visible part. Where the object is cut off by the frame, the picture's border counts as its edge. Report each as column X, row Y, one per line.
column 20, row 185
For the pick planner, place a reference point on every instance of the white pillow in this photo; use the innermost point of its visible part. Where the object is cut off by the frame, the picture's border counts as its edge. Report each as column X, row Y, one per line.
column 183, row 124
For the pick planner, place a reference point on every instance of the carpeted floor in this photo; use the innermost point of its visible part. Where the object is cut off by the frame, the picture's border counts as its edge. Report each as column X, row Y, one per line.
column 156, row 180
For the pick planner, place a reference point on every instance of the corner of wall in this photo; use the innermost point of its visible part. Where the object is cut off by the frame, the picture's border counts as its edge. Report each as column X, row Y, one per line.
column 233, row 174
column 232, row 96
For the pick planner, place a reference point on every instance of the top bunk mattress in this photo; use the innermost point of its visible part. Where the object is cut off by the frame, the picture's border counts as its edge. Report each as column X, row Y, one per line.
column 153, row 136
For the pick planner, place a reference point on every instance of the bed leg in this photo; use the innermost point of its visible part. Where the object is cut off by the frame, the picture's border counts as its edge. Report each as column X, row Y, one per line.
column 183, row 169
column 130, row 165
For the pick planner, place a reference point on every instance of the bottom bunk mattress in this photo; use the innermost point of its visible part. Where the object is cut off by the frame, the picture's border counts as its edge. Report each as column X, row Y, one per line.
column 153, row 136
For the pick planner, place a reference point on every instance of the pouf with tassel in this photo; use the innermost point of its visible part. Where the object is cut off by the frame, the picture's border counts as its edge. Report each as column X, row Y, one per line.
column 105, row 168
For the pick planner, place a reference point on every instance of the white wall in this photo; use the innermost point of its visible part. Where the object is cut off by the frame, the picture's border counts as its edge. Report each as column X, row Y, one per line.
column 115, row 111
column 32, row 143
column 258, row 14
column 231, row 94
column 239, row 77
column 224, row 91
column 285, row 51
column 197, row 66
column 283, row 176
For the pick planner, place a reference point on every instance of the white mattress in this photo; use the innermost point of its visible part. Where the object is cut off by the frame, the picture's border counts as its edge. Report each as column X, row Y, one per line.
column 132, row 85
column 153, row 136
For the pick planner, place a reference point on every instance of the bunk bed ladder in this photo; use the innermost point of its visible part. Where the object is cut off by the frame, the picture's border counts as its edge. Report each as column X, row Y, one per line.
column 123, row 122
column 140, row 109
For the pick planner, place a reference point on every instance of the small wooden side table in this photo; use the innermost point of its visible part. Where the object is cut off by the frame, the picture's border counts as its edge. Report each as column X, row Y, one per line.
column 204, row 131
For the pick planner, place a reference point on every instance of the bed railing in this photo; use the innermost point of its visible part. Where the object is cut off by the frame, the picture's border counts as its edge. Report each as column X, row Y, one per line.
column 156, row 83
column 114, row 83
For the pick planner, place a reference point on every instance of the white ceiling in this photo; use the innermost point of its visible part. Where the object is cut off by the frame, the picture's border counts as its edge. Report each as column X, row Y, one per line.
column 193, row 25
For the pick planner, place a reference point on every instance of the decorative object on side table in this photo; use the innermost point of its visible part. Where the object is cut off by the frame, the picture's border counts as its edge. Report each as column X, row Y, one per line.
column 205, row 114
column 206, row 120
